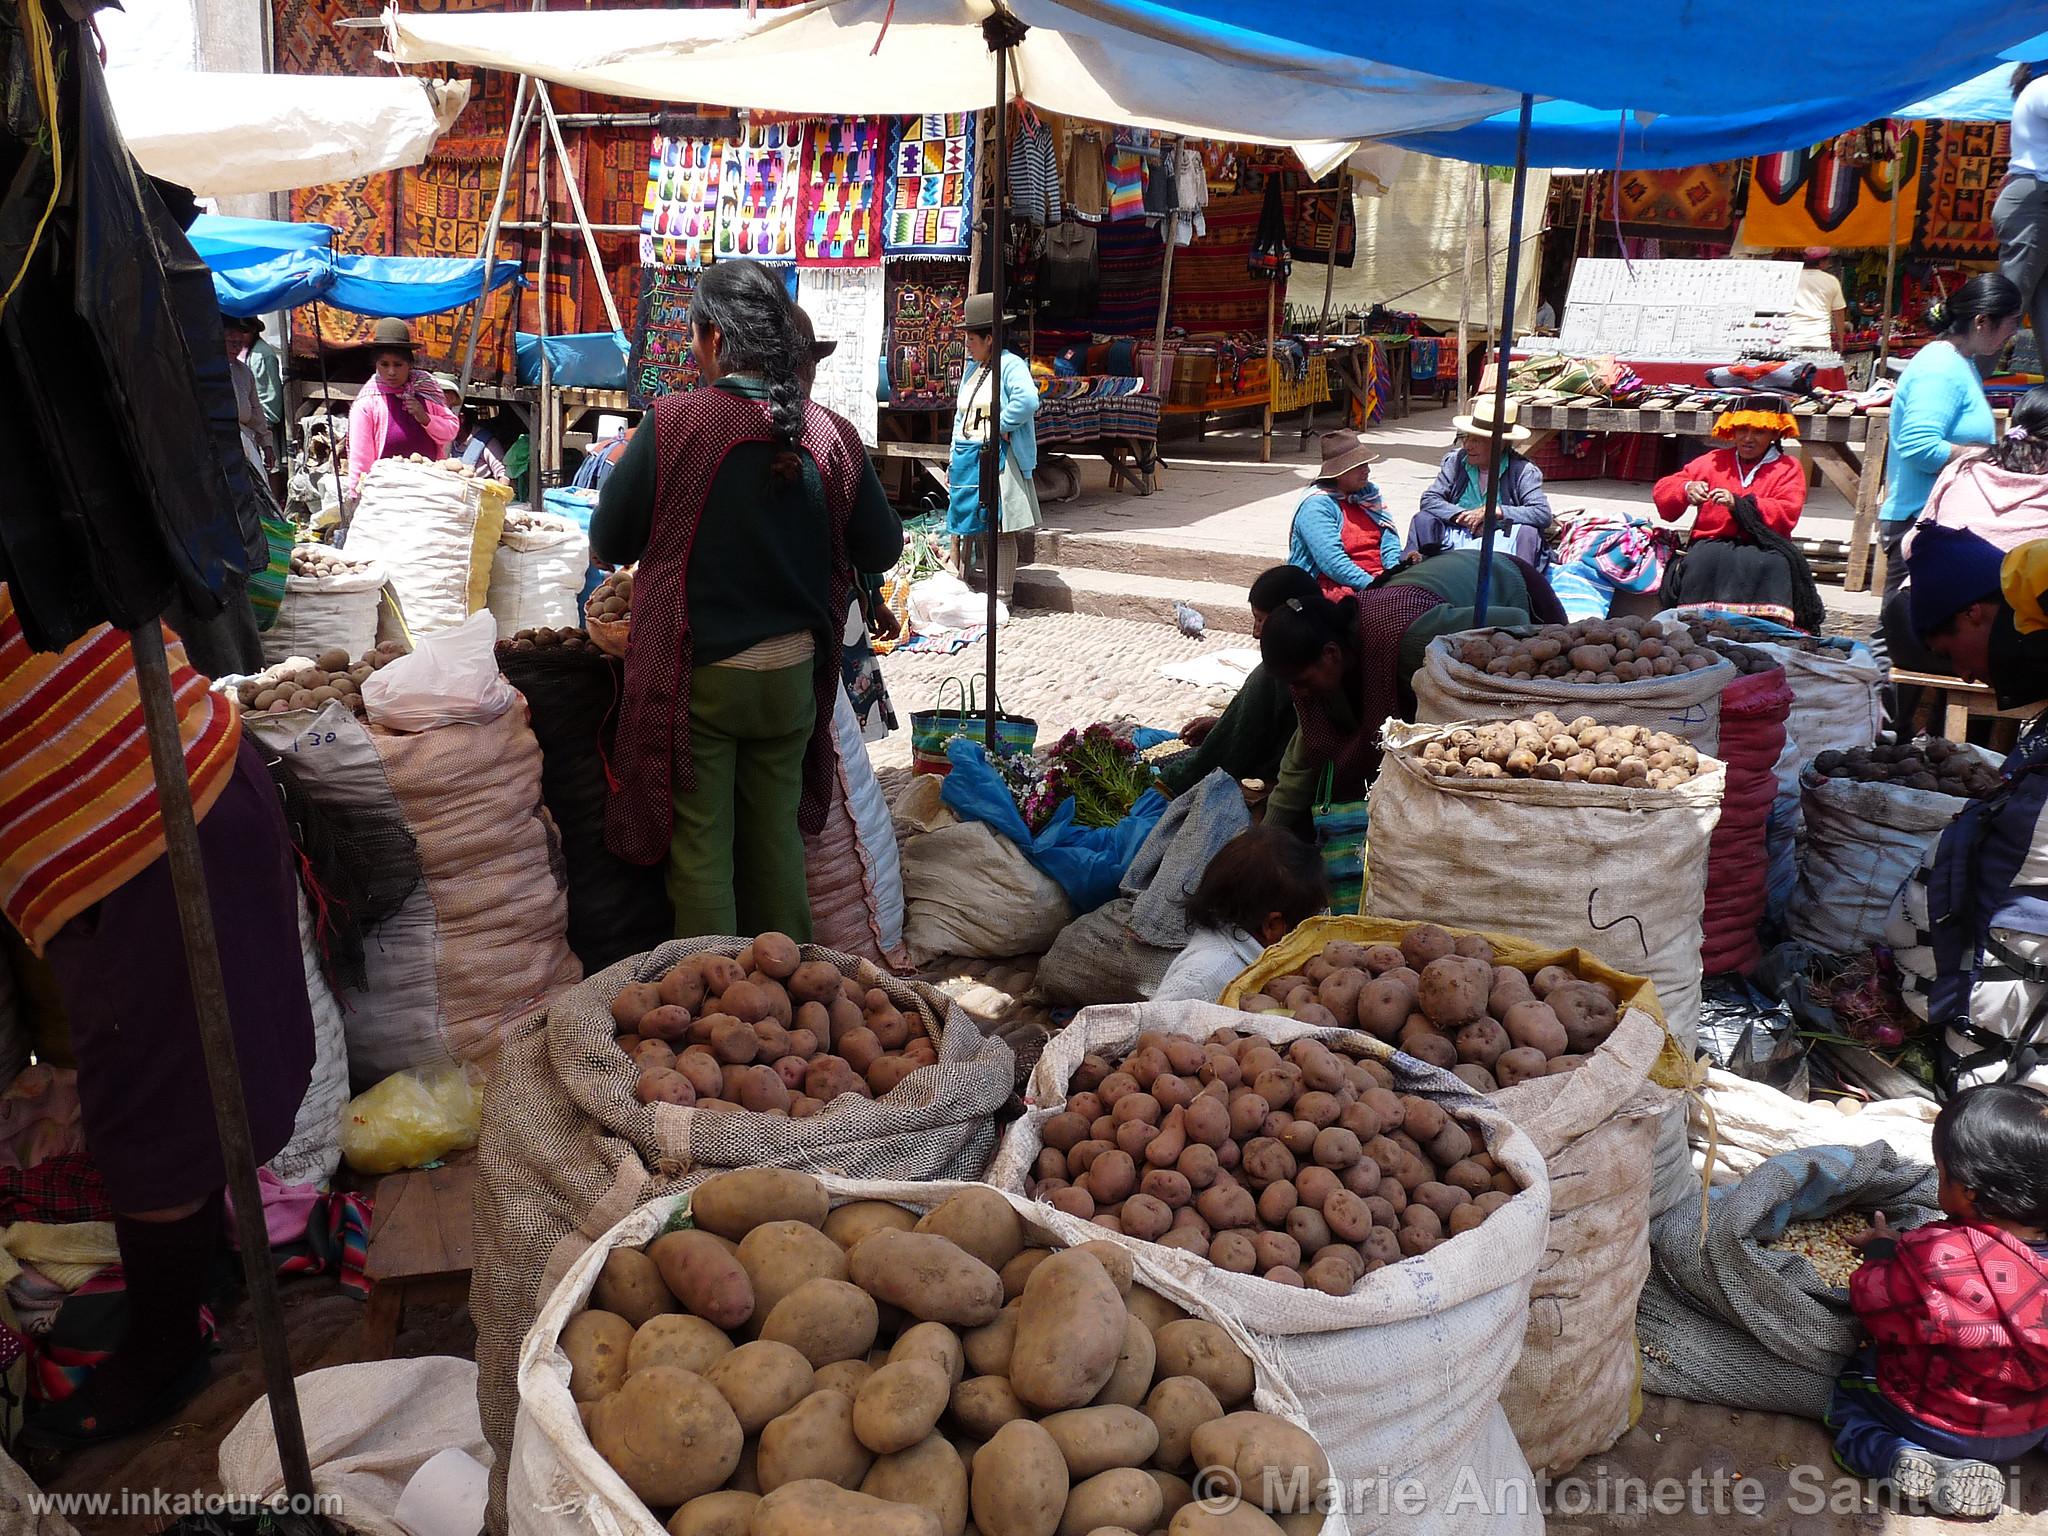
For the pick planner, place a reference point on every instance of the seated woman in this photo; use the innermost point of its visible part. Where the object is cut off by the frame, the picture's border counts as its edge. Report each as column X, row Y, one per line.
column 1248, row 738
column 2001, row 492
column 1261, row 886
column 1454, row 507
column 1751, row 465
column 1753, row 569
column 1348, row 663
column 1342, row 533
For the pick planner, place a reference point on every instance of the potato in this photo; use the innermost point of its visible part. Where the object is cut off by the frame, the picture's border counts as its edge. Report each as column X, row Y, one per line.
column 1123, row 1498
column 635, row 1000
column 668, row 1434
column 1094, row 1440
column 1481, row 1043
column 936, row 1343
column 776, row 955
column 760, row 1381
column 1424, row 943
column 814, row 1439
column 630, row 1285
column 1070, row 1332
column 1240, row 1519
column 779, row 1256
column 841, row 1376
column 930, row 1475
column 1176, row 1407
column 1537, row 1026
column 1549, row 979
column 1383, row 1007
column 929, row 1276
column 814, row 1507
column 1019, row 1485
column 725, row 1513
column 980, row 1221
column 825, row 1321
column 733, row 1204
column 981, row 1405
column 1196, row 1348
column 1454, row 990
column 597, row 1344
column 1519, row 1065
column 1113, row 1258
column 1153, row 1310
column 687, row 1343
column 1587, row 1013
column 1276, row 1465
column 900, row 1404
column 1174, row 1493
column 1132, row 1374
column 705, row 1275
column 1339, row 993
column 1474, row 947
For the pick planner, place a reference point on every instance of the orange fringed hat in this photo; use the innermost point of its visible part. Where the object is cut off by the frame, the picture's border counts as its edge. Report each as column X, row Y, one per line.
column 1766, row 411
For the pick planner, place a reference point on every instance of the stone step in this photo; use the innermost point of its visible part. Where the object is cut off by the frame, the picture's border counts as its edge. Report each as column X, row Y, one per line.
column 1126, row 595
column 1173, row 562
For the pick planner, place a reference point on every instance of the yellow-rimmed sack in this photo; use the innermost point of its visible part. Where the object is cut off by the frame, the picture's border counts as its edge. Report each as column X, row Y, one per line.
column 1577, row 1387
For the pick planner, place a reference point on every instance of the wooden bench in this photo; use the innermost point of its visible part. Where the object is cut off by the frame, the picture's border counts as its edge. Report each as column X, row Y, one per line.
column 1959, row 702
column 419, row 1247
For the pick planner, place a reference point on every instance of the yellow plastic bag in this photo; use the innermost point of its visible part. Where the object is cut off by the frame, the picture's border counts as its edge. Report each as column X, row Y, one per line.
column 413, row 1118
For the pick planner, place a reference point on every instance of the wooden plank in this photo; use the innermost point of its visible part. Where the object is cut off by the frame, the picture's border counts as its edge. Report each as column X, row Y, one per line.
column 934, row 453
column 1869, row 495
column 1839, row 466
column 422, row 1224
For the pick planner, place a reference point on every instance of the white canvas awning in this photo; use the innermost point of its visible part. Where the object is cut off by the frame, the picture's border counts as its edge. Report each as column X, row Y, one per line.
column 224, row 135
column 1151, row 69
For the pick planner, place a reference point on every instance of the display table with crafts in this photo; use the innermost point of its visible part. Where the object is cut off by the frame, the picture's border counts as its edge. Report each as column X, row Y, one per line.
column 1116, row 418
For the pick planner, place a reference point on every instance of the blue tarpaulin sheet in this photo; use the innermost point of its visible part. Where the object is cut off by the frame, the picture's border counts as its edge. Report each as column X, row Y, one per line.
column 263, row 265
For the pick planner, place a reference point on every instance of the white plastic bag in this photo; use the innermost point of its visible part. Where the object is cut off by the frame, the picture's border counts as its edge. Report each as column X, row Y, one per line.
column 947, row 602
column 452, row 678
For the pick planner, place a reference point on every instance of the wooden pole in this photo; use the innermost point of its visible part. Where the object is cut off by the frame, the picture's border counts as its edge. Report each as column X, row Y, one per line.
column 1891, row 270
column 1165, row 289
column 513, row 158
column 1002, row 32
column 1330, row 267
column 569, row 180
column 217, row 1045
column 1465, row 296
column 1500, row 361
column 1272, row 374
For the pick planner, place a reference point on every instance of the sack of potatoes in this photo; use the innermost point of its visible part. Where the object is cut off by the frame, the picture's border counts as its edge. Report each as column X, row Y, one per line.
column 527, row 641
column 1927, row 763
column 771, row 1363
column 320, row 561
column 1625, row 649
column 313, row 683
column 1579, row 751
column 768, row 1031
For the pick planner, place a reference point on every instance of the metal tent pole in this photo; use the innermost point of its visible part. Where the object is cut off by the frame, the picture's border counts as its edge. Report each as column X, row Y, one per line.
column 1500, row 362
column 1002, row 32
column 515, row 154
column 569, row 181
column 550, row 473
column 217, row 1044
column 1165, row 289
column 1891, row 269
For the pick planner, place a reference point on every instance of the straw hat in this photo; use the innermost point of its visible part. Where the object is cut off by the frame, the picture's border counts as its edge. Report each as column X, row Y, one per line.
column 1342, row 451
column 1480, row 422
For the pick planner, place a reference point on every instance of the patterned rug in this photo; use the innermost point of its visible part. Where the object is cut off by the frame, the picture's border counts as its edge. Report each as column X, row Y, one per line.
column 443, row 206
column 364, row 215
column 1129, row 260
column 1213, row 289
column 1964, row 164
column 661, row 363
column 925, row 304
column 1698, row 199
column 1812, row 197
column 757, row 193
column 840, row 219
column 931, row 179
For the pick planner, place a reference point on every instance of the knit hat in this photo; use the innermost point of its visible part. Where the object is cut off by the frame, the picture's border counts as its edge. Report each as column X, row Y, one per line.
column 1766, row 411
column 1949, row 569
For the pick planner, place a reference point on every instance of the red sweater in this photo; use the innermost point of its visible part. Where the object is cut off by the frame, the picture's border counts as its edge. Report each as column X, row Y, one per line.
column 1960, row 1316
column 1779, row 489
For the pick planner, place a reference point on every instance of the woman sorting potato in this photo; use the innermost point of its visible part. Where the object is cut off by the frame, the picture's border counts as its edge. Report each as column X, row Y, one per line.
column 749, row 509
column 1348, row 663
column 88, row 887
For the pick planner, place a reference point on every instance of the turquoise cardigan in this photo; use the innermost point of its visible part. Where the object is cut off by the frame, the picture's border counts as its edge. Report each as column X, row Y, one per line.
column 1020, row 409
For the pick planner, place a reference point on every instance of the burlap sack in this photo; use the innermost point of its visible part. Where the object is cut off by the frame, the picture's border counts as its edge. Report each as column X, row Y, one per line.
column 1403, row 1377
column 1687, row 704
column 567, row 1151
column 1861, row 842
column 435, row 533
column 1574, row 1391
column 537, row 575
column 322, row 612
column 314, row 1151
column 968, row 890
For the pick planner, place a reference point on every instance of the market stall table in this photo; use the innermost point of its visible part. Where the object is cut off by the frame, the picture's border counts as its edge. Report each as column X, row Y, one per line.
column 1116, row 418
column 420, row 1247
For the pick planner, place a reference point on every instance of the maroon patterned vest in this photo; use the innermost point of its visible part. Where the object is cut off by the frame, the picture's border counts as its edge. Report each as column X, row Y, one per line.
column 694, row 431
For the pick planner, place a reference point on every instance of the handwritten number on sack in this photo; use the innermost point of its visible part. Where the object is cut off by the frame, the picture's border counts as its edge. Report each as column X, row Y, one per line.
column 312, row 739
column 1627, row 917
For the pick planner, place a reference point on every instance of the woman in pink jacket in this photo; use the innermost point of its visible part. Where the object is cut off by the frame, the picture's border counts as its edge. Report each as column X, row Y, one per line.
column 1999, row 493
column 399, row 412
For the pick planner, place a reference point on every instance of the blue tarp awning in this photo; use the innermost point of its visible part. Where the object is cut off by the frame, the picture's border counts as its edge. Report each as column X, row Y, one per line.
column 263, row 265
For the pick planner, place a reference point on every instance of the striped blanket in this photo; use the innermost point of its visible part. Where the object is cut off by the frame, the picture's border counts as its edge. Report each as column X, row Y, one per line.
column 1597, row 559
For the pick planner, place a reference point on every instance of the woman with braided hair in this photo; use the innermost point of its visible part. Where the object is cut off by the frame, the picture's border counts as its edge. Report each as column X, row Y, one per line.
column 749, row 509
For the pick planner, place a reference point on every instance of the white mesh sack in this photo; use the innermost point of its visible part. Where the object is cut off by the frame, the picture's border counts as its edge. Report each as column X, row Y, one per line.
column 537, row 573
column 435, row 532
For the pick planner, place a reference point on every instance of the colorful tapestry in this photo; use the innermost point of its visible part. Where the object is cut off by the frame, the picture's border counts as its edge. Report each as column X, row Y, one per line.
column 679, row 212
column 1699, row 198
column 757, row 193
column 1129, row 262
column 846, row 305
column 661, row 363
column 444, row 205
column 1318, row 216
column 1813, row 197
column 1213, row 289
column 926, row 305
column 364, row 219
column 931, row 183
column 1965, row 163
column 842, row 181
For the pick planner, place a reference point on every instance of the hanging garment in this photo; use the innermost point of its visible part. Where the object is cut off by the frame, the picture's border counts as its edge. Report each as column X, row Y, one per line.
column 1072, row 277
column 1126, row 171
column 1191, row 184
column 1087, row 189
column 1270, row 257
column 1035, row 175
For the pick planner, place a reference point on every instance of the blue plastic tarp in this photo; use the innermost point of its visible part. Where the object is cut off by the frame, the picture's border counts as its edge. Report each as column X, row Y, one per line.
column 1701, row 60
column 263, row 265
column 410, row 286
column 1085, row 862
column 222, row 241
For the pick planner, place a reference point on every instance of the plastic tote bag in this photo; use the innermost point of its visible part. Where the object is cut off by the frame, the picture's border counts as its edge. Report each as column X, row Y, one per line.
column 1340, row 837
column 266, row 587
column 931, row 730
column 452, row 678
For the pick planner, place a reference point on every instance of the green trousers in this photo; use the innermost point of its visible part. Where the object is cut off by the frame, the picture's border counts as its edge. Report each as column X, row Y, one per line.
column 736, row 858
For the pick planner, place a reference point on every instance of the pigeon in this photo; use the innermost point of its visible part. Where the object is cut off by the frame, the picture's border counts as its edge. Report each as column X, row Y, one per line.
column 1188, row 621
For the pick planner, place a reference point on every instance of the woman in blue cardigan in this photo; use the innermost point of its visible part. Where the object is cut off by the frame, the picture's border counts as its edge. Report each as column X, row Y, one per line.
column 966, row 522
column 1454, row 506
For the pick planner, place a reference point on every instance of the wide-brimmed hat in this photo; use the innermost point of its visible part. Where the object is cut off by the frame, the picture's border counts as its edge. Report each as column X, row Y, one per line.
column 450, row 385
column 980, row 313
column 1480, row 422
column 253, row 324
column 1343, row 451
column 389, row 335
column 1759, row 410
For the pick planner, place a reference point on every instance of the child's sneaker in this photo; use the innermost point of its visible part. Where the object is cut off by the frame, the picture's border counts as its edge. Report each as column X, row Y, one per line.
column 1969, row 1490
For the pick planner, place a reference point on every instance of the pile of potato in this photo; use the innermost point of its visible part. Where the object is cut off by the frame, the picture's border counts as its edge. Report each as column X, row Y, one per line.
column 613, row 599
column 1927, row 763
column 548, row 640
column 1704, row 630
column 1447, row 1002
column 524, row 519
column 328, row 678
column 1747, row 659
column 322, row 560
column 787, row 1369
column 1626, row 649
column 457, row 468
column 1579, row 752
column 767, row 1031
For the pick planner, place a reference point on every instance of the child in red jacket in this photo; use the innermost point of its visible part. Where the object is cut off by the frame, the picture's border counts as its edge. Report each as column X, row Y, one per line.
column 1956, row 1380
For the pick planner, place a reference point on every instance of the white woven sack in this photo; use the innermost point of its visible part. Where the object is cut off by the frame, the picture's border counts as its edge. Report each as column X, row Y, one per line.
column 968, row 890
column 1862, row 841
column 369, row 1428
column 1836, row 705
column 1754, row 1122
column 1400, row 1380
column 314, row 1151
column 435, row 532
column 321, row 613
column 1687, row 704
column 875, row 832
column 537, row 576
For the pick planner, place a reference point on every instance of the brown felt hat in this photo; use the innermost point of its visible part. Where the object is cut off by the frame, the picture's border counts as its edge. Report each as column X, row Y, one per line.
column 389, row 335
column 1343, row 451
